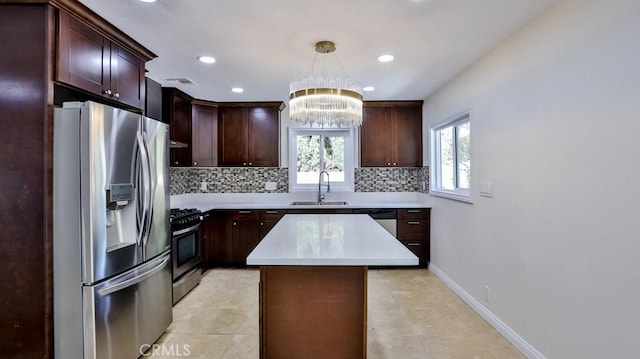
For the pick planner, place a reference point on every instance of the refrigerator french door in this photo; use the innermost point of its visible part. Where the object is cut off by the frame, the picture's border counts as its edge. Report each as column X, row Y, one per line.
column 111, row 243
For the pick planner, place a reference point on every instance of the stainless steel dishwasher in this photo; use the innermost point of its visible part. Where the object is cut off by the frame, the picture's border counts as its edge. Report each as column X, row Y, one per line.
column 386, row 217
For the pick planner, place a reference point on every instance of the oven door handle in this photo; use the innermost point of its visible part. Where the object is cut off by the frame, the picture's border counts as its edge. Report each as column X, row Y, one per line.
column 186, row 230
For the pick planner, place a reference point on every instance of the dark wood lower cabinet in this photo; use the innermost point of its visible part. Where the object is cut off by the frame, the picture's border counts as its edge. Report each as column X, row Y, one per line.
column 268, row 219
column 216, row 243
column 244, row 235
column 413, row 230
column 231, row 235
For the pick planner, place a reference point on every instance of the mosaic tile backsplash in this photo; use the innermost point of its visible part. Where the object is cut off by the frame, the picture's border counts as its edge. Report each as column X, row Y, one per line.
column 252, row 180
column 391, row 179
column 228, row 179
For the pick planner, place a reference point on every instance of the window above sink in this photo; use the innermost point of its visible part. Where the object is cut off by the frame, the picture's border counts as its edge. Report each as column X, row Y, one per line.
column 315, row 150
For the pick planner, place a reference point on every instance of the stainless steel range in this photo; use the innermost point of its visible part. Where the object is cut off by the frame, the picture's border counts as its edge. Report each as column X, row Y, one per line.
column 186, row 250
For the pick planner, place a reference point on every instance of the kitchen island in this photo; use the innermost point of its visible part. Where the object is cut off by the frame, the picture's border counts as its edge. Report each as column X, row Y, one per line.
column 313, row 283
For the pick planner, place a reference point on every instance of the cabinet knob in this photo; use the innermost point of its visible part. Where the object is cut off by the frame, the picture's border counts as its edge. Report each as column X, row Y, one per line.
column 249, row 163
column 116, row 95
column 394, row 163
column 244, row 163
column 262, row 223
column 107, row 92
column 195, row 163
column 175, row 163
column 235, row 223
column 388, row 163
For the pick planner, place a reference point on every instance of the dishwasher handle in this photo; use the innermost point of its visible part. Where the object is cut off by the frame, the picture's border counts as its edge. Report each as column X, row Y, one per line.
column 378, row 213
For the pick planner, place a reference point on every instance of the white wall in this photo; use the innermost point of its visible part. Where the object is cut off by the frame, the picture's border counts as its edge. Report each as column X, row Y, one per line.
column 555, row 114
column 284, row 137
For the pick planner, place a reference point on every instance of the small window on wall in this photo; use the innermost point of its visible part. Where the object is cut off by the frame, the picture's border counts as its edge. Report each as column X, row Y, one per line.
column 451, row 158
column 314, row 151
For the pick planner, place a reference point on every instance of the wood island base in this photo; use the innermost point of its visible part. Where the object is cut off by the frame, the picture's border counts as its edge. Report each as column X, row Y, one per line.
column 313, row 312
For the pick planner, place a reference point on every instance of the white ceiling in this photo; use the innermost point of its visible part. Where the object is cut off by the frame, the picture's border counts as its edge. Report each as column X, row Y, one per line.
column 261, row 45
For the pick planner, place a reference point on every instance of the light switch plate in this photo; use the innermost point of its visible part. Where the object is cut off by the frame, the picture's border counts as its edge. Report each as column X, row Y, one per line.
column 486, row 189
column 270, row 186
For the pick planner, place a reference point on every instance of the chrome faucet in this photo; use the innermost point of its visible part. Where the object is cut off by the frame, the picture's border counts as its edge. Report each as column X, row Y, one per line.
column 320, row 194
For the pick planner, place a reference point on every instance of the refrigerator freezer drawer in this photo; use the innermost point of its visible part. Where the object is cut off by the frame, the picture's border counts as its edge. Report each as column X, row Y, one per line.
column 125, row 315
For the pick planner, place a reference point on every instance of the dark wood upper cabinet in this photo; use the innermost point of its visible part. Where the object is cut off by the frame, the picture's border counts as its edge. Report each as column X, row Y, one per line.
column 233, row 131
column 127, row 77
column 153, row 99
column 204, row 134
column 263, row 136
column 92, row 62
column 391, row 134
column 249, row 134
column 176, row 108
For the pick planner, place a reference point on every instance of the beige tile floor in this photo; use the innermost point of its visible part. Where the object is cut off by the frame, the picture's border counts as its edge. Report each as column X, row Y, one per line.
column 411, row 315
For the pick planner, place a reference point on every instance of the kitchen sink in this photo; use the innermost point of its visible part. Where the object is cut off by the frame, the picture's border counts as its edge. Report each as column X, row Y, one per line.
column 323, row 203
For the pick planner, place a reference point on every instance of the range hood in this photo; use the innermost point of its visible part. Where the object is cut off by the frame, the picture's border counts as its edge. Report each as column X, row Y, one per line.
column 176, row 144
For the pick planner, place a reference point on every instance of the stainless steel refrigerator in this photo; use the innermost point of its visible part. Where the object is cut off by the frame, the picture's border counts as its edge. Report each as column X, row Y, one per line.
column 111, row 240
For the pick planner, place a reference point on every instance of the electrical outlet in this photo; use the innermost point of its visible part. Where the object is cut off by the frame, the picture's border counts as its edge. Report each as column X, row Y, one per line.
column 487, row 289
column 203, row 185
column 270, row 186
column 486, row 189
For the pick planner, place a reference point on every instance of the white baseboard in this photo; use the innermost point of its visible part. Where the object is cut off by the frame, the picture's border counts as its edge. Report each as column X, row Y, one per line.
column 522, row 345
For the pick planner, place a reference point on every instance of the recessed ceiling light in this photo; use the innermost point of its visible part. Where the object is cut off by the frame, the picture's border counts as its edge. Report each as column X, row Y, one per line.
column 368, row 88
column 237, row 90
column 385, row 58
column 148, row 0
column 207, row 59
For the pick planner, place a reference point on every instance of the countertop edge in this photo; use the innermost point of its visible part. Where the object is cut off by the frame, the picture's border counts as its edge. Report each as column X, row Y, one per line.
column 223, row 206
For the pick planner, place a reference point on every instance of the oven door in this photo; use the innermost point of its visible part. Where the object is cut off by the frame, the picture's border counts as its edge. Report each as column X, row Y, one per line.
column 186, row 250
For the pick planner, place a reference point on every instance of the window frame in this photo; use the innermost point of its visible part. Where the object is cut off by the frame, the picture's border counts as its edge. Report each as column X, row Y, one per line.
column 435, row 187
column 349, row 154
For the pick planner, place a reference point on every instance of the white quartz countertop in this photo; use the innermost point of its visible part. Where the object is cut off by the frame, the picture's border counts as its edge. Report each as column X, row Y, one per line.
column 211, row 201
column 330, row 240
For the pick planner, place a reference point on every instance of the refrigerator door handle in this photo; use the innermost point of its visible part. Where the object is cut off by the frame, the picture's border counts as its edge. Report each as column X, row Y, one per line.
column 133, row 281
column 144, row 157
column 150, row 190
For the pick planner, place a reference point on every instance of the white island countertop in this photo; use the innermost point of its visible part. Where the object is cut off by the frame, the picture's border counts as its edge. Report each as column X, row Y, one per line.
column 330, row 240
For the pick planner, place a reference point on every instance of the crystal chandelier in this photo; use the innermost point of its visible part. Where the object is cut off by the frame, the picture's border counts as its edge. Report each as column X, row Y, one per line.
column 325, row 101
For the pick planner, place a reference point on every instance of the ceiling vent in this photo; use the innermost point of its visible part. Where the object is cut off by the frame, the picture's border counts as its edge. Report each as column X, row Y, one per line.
column 182, row 80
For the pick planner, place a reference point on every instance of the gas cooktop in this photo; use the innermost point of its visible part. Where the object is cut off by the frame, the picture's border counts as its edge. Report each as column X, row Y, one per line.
column 184, row 217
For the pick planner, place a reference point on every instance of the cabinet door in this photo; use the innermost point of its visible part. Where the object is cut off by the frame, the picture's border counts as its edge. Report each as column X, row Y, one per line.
column 207, row 242
column 83, row 56
column 232, row 134
column 263, row 140
column 215, row 251
column 268, row 219
column 127, row 77
column 245, row 239
column 407, row 149
column 204, row 135
column 376, row 138
column 177, row 109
